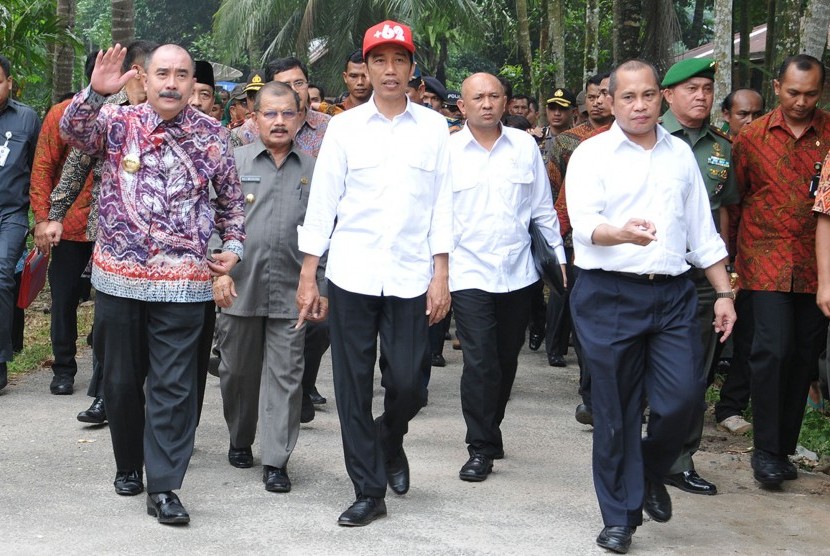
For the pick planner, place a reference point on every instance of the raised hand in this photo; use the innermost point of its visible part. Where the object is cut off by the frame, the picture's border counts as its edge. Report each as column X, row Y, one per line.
column 107, row 78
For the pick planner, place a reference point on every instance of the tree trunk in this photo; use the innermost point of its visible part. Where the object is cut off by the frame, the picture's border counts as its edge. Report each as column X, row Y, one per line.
column 696, row 30
column 441, row 65
column 784, row 19
column 543, row 55
column 662, row 31
column 723, row 56
column 628, row 16
column 524, row 39
column 557, row 40
column 814, row 25
column 123, row 22
column 744, row 28
column 63, row 54
column 591, row 53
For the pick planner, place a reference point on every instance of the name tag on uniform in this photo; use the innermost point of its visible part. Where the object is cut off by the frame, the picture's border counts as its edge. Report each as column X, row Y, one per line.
column 250, row 179
column 718, row 161
column 4, row 149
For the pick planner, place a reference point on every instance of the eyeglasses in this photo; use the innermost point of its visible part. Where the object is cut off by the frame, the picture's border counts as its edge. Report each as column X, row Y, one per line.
column 297, row 84
column 272, row 114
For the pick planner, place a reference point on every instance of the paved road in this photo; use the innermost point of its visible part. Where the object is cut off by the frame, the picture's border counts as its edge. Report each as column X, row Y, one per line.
column 56, row 491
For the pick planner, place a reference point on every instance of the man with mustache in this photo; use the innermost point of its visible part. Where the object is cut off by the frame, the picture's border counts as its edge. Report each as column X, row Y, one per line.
column 261, row 349
column 690, row 92
column 150, row 265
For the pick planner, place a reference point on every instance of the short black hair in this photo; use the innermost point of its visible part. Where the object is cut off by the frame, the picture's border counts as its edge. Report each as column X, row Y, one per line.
column 508, row 87
column 355, row 57
column 519, row 122
column 726, row 105
column 597, row 79
column 277, row 89
column 521, row 97
column 804, row 62
column 634, row 64
column 138, row 52
column 319, row 88
column 89, row 64
column 6, row 65
column 533, row 104
column 284, row 64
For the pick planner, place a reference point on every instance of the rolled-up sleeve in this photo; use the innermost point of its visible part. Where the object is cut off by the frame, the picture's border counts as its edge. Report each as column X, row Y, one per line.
column 704, row 243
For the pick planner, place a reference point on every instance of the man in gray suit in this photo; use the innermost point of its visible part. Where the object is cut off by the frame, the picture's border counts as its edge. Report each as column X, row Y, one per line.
column 261, row 349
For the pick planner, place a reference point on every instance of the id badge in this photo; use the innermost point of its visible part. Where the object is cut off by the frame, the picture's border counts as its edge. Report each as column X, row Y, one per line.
column 4, row 154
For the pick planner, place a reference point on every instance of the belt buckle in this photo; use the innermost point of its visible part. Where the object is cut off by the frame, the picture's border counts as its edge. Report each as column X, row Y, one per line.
column 651, row 276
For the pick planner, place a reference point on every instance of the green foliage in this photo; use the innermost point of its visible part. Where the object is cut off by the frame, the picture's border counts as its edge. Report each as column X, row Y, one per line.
column 815, row 432
column 93, row 24
column 27, row 30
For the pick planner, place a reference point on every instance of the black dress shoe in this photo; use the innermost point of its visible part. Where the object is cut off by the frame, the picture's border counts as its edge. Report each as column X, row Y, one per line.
column 96, row 414
column 397, row 473
column 316, row 397
column 584, row 415
column 62, row 385
column 499, row 454
column 4, row 375
column 128, row 483
column 276, row 479
column 535, row 340
column 690, row 481
column 788, row 469
column 167, row 507
column 362, row 512
column 307, row 410
column 616, row 539
column 556, row 360
column 438, row 360
column 768, row 469
column 657, row 502
column 242, row 458
column 476, row 469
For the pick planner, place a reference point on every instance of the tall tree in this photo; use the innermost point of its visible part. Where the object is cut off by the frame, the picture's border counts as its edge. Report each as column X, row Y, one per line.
column 123, row 21
column 524, row 38
column 723, row 55
column 662, row 31
column 63, row 54
column 744, row 29
column 696, row 29
column 628, row 15
column 556, row 32
column 589, row 58
column 814, row 25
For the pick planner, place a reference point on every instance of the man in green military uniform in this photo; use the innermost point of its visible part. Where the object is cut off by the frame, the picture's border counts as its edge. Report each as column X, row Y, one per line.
column 689, row 92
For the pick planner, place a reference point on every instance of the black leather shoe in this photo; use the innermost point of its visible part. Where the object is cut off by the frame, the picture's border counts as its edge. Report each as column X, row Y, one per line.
column 690, row 481
column 535, row 340
column 276, row 479
column 767, row 468
column 62, row 385
column 616, row 539
column 96, row 414
column 362, row 512
column 438, row 360
column 397, row 473
column 584, row 415
column 657, row 502
column 556, row 360
column 4, row 375
column 499, row 454
column 167, row 507
column 788, row 469
column 241, row 458
column 128, row 483
column 476, row 469
column 316, row 397
column 307, row 410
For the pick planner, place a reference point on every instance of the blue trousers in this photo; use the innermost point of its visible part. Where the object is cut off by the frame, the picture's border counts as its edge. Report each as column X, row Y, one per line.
column 13, row 228
column 638, row 339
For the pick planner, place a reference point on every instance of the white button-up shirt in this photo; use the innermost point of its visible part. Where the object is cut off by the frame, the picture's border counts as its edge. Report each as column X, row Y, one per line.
column 496, row 193
column 387, row 183
column 612, row 179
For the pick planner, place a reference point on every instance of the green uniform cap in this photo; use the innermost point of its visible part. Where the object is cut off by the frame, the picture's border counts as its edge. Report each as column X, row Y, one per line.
column 686, row 69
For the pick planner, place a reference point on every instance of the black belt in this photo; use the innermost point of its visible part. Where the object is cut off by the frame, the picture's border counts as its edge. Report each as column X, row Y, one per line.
column 643, row 278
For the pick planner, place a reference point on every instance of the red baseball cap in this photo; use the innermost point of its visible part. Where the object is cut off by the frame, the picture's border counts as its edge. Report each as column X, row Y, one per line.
column 388, row 32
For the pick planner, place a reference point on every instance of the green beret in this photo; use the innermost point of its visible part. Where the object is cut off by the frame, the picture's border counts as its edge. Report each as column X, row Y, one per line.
column 686, row 69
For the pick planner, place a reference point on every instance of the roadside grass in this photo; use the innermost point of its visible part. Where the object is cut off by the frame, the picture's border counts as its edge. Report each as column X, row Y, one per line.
column 37, row 346
column 815, row 428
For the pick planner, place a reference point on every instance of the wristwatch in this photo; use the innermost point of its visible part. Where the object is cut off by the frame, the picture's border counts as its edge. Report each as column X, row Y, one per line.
column 728, row 295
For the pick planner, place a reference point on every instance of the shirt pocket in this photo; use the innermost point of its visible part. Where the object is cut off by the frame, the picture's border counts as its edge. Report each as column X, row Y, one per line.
column 515, row 187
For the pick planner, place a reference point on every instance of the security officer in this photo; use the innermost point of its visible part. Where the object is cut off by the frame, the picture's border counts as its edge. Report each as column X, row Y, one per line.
column 689, row 92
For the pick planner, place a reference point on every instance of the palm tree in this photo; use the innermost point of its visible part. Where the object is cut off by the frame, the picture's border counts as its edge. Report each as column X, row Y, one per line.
column 64, row 54
column 296, row 27
column 123, row 21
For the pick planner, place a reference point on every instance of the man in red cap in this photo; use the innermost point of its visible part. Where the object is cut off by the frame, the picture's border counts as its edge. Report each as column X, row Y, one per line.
column 383, row 173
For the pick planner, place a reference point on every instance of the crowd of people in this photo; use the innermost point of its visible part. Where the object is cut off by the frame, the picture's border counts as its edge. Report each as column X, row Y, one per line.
column 247, row 232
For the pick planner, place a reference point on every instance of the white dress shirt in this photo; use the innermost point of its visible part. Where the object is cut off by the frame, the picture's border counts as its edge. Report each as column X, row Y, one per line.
column 612, row 179
column 387, row 183
column 496, row 193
